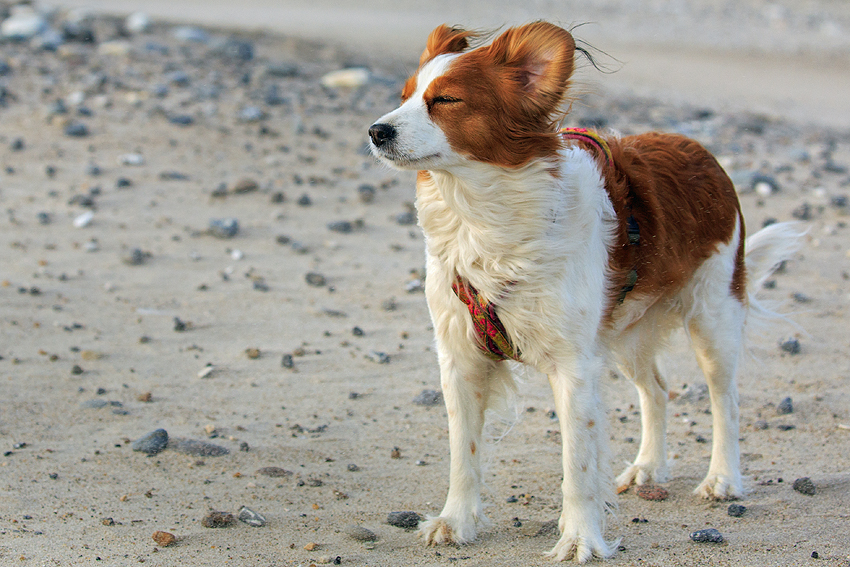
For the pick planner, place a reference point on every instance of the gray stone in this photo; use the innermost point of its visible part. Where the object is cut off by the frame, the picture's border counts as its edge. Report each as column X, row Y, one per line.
column 224, row 228
column 428, row 398
column 709, row 535
column 359, row 533
column 405, row 520
column 152, row 443
column 785, row 406
column 250, row 517
column 805, row 486
column 197, row 448
column 736, row 510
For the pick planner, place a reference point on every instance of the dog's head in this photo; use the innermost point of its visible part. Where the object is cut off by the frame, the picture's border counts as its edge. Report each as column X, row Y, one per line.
column 495, row 104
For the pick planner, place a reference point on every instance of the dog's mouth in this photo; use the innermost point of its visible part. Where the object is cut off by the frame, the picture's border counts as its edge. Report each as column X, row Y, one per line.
column 402, row 161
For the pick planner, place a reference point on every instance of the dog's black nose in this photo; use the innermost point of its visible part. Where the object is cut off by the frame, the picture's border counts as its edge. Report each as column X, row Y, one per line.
column 381, row 134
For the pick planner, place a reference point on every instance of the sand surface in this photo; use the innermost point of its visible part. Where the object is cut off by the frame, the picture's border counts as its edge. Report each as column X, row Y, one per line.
column 107, row 330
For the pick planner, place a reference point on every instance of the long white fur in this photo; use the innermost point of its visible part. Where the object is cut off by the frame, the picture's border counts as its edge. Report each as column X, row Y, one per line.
column 535, row 241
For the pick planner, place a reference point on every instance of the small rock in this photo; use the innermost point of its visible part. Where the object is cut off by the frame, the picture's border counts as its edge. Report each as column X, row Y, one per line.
column 764, row 185
column 404, row 520
column 274, row 472
column 315, row 280
column 761, row 424
column 224, row 228
column 346, row 78
column 287, row 361
column 251, row 114
column 533, row 528
column 252, row 353
column 359, row 533
column 803, row 212
column 736, row 510
column 107, row 521
column 43, row 218
column 251, row 518
column 23, row 24
column 181, row 119
column 428, row 398
column 406, row 218
column 245, row 185
column 366, row 193
column 197, row 448
column 304, row 200
column 218, row 520
column 76, row 130
column 238, row 49
column 804, row 486
column 152, row 443
column 136, row 257
column 651, row 492
column 791, row 346
column 709, row 535
column 786, row 427
column 190, row 34
column 377, row 356
column 341, row 226
column 311, row 546
column 137, row 22
column 131, row 159
column 163, row 539
column 785, row 406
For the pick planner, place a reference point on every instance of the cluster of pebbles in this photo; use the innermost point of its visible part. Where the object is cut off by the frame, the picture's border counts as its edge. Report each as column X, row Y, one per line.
column 193, row 231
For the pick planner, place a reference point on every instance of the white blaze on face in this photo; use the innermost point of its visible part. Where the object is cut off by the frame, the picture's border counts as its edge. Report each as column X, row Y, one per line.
column 419, row 142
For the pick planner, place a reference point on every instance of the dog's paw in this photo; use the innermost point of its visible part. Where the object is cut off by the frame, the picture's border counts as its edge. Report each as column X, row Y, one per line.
column 641, row 473
column 582, row 548
column 720, row 487
column 443, row 530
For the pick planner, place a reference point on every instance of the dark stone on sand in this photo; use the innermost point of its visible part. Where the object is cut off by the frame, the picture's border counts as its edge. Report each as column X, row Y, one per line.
column 151, row 443
column 791, row 346
column 245, row 185
column 406, row 219
column 123, row 182
column 341, row 226
column 136, row 257
column 366, row 193
column 274, row 472
column 76, row 130
column 181, row 119
column 761, row 424
column 428, row 398
column 803, row 212
column 709, row 535
column 218, row 520
column 197, row 448
column 315, row 280
column 736, row 510
column 404, row 520
column 43, row 218
column 805, row 486
column 238, row 49
column 287, row 362
column 785, row 406
column 224, row 228
column 305, row 200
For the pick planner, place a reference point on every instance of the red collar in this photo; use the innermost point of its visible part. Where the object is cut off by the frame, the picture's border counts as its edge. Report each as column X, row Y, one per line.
column 493, row 338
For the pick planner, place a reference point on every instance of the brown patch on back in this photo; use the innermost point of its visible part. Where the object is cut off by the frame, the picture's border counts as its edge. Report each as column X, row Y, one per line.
column 684, row 205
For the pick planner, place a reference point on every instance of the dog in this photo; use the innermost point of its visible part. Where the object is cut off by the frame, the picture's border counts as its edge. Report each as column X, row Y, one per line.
column 567, row 250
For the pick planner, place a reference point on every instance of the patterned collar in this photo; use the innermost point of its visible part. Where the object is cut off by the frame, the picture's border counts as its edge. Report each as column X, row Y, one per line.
column 590, row 137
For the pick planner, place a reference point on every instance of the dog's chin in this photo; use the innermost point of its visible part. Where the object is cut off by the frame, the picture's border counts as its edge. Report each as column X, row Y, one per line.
column 407, row 162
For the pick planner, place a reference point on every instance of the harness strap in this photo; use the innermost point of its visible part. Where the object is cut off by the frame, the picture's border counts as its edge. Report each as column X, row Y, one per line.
column 590, row 137
column 493, row 338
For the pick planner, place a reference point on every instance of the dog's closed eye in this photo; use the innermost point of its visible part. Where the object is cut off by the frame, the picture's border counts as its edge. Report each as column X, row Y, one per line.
column 444, row 99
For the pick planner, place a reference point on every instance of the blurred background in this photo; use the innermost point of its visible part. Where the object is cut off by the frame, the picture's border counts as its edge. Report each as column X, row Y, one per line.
column 788, row 58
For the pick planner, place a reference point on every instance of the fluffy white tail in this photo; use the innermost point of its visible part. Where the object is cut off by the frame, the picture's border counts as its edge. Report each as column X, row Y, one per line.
column 765, row 251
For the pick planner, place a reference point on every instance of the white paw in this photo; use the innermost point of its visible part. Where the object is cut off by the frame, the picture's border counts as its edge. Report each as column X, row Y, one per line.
column 444, row 530
column 720, row 487
column 582, row 548
column 641, row 473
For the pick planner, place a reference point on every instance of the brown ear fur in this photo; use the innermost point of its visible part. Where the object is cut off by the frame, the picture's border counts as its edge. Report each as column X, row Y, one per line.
column 445, row 40
column 540, row 58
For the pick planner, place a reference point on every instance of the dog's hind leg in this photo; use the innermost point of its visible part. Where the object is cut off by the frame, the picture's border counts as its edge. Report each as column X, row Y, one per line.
column 467, row 382
column 651, row 460
column 717, row 334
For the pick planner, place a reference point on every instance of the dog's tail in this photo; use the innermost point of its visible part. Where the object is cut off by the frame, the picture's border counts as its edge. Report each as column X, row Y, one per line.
column 766, row 251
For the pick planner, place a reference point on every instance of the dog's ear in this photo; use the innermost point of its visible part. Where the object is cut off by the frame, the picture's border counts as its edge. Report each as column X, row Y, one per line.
column 445, row 40
column 538, row 59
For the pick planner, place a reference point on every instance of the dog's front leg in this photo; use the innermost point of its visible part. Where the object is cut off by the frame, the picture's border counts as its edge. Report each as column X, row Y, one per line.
column 465, row 383
column 587, row 487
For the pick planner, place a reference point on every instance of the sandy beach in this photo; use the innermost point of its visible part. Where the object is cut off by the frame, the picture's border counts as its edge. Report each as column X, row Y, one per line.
column 193, row 238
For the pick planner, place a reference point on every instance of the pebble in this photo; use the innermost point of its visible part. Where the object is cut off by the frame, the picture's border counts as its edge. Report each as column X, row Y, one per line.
column 764, row 185
column 163, row 539
column 43, row 218
column 152, row 443
column 218, row 520
column 23, row 24
column 791, row 346
column 651, row 492
column 136, row 257
column 224, row 228
column 346, row 78
column 406, row 218
column 251, row 114
column 366, row 193
column 274, row 472
column 237, row 49
column 137, row 22
column 250, row 517
column 197, row 448
column 359, row 533
column 785, row 406
column 405, row 520
column 803, row 212
column 245, row 185
column 533, row 528
column 315, row 280
column 190, row 34
column 287, row 362
column 761, row 424
column 343, row 227
column 804, row 486
column 304, row 200
column 736, row 510
column 709, row 535
column 428, row 398
column 181, row 119
column 76, row 130
column 377, row 356
column 131, row 159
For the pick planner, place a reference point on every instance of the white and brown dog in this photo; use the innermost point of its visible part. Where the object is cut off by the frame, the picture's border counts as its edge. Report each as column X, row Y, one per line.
column 566, row 250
